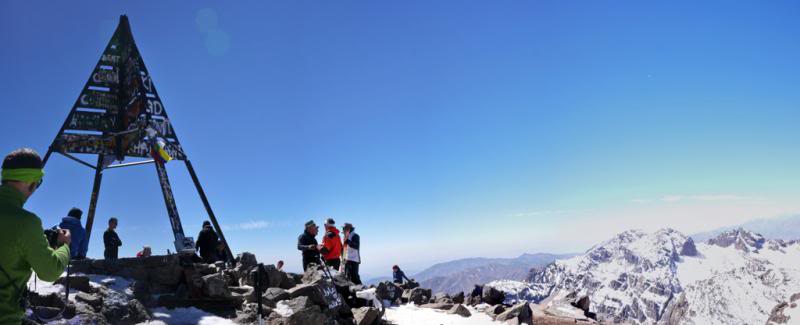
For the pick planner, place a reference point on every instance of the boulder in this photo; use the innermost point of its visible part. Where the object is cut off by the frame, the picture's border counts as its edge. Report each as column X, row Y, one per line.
column 90, row 299
column 214, row 286
column 249, row 314
column 137, row 313
column 275, row 295
column 442, row 297
column 365, row 315
column 287, row 281
column 246, row 260
column 492, row 296
column 76, row 282
column 311, row 290
column 410, row 285
column 298, row 278
column 313, row 274
column 459, row 298
column 306, row 316
column 387, row 290
column 439, row 305
column 274, row 276
column 50, row 300
column 581, row 303
column 460, row 310
column 495, row 310
column 521, row 313
column 419, row 296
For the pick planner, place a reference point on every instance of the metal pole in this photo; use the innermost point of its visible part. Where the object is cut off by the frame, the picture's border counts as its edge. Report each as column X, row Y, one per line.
column 258, row 291
column 98, row 177
column 208, row 208
column 182, row 244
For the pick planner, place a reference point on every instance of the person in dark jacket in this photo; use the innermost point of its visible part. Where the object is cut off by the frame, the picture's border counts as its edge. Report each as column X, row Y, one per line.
column 207, row 242
column 307, row 243
column 399, row 275
column 111, row 240
column 79, row 245
column 352, row 244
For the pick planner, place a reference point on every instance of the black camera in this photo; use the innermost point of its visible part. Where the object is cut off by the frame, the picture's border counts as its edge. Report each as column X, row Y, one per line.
column 52, row 236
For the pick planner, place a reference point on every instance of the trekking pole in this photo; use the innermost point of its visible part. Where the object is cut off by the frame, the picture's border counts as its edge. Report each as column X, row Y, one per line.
column 326, row 270
column 66, row 285
column 258, row 292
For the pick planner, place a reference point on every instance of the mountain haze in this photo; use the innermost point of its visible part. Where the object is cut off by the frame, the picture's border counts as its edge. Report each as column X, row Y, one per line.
column 461, row 275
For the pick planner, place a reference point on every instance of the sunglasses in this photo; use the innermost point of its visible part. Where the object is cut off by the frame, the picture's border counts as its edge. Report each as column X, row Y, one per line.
column 38, row 184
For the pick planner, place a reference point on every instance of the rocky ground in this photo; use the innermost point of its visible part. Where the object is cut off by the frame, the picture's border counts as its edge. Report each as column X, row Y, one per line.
column 147, row 290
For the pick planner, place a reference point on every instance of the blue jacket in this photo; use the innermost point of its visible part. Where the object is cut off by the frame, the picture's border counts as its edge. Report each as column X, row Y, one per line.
column 79, row 244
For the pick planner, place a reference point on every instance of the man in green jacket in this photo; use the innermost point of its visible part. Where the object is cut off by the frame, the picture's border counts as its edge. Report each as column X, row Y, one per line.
column 22, row 242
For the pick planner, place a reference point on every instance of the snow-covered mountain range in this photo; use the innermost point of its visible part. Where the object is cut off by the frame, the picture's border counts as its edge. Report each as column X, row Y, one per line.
column 664, row 277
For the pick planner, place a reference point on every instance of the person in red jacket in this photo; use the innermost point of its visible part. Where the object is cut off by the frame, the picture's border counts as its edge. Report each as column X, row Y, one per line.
column 331, row 245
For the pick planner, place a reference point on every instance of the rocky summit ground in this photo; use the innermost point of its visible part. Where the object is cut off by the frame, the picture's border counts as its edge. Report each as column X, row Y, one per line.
column 173, row 290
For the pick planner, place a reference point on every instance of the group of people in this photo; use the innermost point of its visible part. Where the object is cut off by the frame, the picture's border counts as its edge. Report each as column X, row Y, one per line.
column 24, row 249
column 342, row 256
column 80, row 241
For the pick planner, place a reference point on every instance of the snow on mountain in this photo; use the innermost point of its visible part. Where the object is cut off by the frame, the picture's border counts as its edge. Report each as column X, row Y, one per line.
column 664, row 277
column 515, row 291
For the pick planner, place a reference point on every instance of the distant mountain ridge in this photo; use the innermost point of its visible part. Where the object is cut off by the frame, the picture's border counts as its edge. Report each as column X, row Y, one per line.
column 463, row 274
column 784, row 227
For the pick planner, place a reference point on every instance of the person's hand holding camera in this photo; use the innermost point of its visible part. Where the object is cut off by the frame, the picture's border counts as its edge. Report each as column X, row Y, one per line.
column 64, row 236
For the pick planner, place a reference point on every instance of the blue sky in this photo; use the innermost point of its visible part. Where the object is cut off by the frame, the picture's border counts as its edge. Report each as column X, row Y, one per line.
column 440, row 129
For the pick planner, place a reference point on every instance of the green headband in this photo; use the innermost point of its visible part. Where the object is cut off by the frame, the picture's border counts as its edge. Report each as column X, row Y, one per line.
column 28, row 175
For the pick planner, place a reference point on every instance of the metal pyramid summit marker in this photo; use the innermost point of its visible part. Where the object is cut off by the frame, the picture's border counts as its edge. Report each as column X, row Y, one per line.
column 119, row 114
column 119, row 109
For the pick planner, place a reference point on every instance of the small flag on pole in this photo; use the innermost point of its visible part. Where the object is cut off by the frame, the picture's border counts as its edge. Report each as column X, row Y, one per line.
column 160, row 152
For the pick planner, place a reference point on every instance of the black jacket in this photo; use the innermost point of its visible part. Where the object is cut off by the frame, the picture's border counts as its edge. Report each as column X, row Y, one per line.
column 308, row 245
column 399, row 275
column 112, row 243
column 207, row 242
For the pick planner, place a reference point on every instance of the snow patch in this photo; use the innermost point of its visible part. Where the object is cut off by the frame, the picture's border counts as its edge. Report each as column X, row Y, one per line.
column 185, row 316
column 413, row 315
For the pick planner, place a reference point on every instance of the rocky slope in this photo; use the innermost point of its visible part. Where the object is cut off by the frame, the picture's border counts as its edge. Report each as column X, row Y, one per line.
column 663, row 277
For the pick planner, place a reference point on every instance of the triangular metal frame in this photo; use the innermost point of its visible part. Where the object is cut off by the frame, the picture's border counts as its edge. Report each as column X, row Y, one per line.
column 119, row 114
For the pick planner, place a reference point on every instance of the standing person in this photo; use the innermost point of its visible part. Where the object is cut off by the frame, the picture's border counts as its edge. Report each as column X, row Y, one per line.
column 307, row 243
column 207, row 243
column 22, row 242
column 280, row 265
column 79, row 245
column 332, row 245
column 399, row 275
column 111, row 240
column 352, row 243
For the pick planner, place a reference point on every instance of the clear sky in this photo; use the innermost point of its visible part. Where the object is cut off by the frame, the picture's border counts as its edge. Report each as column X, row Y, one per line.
column 441, row 129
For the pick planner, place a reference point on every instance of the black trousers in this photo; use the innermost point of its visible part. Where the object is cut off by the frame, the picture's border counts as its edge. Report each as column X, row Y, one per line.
column 334, row 263
column 351, row 271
